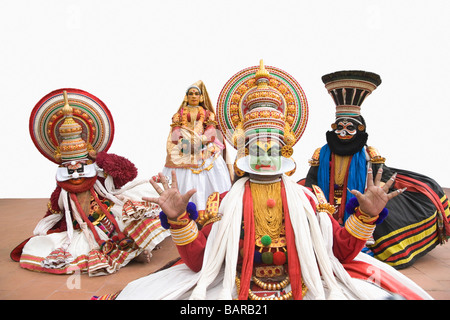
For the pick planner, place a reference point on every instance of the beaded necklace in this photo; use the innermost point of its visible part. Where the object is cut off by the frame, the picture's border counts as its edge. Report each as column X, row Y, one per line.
column 268, row 210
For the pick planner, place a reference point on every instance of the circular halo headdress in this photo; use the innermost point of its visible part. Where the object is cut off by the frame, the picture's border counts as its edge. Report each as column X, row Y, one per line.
column 262, row 97
column 67, row 123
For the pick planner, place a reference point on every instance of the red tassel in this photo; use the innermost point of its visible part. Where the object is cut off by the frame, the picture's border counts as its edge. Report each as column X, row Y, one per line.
column 249, row 243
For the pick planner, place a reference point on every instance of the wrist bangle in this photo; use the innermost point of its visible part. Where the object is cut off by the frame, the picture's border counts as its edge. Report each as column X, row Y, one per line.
column 191, row 209
column 185, row 235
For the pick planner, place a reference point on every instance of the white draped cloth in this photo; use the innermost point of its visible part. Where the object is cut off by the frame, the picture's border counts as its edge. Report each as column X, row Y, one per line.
column 206, row 182
column 68, row 251
column 322, row 273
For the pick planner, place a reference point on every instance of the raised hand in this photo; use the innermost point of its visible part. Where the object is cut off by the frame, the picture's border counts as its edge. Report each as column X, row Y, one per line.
column 171, row 201
column 375, row 197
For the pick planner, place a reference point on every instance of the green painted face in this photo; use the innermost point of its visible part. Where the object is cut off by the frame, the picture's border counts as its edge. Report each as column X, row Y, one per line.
column 265, row 155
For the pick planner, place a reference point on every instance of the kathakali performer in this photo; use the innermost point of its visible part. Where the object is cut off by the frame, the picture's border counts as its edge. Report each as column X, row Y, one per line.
column 96, row 221
column 196, row 148
column 417, row 220
column 269, row 237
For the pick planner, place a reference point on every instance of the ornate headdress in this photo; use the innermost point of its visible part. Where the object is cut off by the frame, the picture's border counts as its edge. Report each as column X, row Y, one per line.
column 67, row 124
column 262, row 101
column 349, row 89
column 205, row 100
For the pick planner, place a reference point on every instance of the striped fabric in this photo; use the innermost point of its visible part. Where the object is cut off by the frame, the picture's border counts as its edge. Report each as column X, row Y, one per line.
column 33, row 263
column 404, row 245
column 146, row 233
column 401, row 247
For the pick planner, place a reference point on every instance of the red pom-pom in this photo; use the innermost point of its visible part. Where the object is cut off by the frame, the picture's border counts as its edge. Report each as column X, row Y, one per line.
column 121, row 169
column 279, row 258
column 271, row 203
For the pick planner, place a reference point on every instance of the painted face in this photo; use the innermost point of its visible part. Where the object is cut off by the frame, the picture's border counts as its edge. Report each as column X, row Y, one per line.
column 345, row 129
column 193, row 97
column 265, row 155
column 75, row 171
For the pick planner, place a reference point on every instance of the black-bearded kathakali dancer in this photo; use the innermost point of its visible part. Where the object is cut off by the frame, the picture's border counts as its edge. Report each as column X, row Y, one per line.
column 196, row 149
column 95, row 221
column 269, row 238
column 413, row 223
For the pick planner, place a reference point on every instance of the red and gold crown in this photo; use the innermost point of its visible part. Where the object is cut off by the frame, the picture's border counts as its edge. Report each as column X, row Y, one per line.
column 262, row 102
column 67, row 124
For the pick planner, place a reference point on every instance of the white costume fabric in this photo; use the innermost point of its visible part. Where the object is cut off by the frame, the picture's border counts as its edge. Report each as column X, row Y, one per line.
column 313, row 239
column 69, row 251
column 206, row 182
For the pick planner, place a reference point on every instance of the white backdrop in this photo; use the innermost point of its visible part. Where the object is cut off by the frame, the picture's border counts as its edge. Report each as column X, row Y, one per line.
column 139, row 57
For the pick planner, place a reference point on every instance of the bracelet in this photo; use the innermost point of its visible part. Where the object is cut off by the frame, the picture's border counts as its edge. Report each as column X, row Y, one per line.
column 190, row 208
column 185, row 235
column 359, row 229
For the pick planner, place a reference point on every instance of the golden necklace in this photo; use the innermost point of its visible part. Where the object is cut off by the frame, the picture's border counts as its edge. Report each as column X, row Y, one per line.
column 340, row 165
column 268, row 209
column 265, row 286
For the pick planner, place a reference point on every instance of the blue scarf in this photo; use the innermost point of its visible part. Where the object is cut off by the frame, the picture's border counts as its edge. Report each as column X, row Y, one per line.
column 356, row 175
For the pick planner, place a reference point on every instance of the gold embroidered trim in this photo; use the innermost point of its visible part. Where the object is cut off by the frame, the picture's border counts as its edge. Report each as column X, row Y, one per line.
column 185, row 235
column 359, row 229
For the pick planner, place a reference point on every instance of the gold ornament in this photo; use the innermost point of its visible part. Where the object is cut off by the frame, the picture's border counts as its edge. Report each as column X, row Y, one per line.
column 287, row 151
column 268, row 220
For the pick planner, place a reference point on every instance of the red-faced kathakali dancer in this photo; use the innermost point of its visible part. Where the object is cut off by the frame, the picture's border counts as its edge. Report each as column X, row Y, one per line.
column 96, row 221
column 416, row 221
column 269, row 237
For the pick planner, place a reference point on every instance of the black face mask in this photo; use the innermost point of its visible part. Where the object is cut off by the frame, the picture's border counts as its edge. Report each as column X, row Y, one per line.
column 346, row 147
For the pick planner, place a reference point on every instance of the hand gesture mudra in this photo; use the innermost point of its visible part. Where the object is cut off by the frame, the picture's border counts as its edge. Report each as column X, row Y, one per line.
column 375, row 197
column 171, row 201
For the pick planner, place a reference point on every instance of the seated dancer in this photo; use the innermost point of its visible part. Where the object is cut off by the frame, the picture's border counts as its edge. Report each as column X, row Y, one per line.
column 269, row 237
column 94, row 222
column 418, row 219
column 195, row 148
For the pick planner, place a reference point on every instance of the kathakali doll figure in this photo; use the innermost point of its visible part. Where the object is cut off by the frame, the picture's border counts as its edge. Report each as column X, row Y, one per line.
column 94, row 223
column 268, row 237
column 196, row 149
column 415, row 221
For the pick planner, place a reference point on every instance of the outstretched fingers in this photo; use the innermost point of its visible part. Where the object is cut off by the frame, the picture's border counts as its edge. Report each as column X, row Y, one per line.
column 378, row 177
column 156, row 186
column 389, row 183
column 357, row 194
column 369, row 177
column 395, row 193
column 188, row 195
column 174, row 180
column 164, row 181
column 151, row 199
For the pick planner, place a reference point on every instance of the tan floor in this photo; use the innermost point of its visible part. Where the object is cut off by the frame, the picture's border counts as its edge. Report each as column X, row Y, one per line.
column 18, row 217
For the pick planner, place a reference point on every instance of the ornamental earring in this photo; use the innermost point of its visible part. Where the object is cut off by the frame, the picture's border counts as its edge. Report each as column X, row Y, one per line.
column 287, row 151
column 334, row 126
column 201, row 99
column 361, row 127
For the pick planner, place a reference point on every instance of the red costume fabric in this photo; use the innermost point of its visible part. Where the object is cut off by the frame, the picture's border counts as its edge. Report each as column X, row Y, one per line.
column 345, row 246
